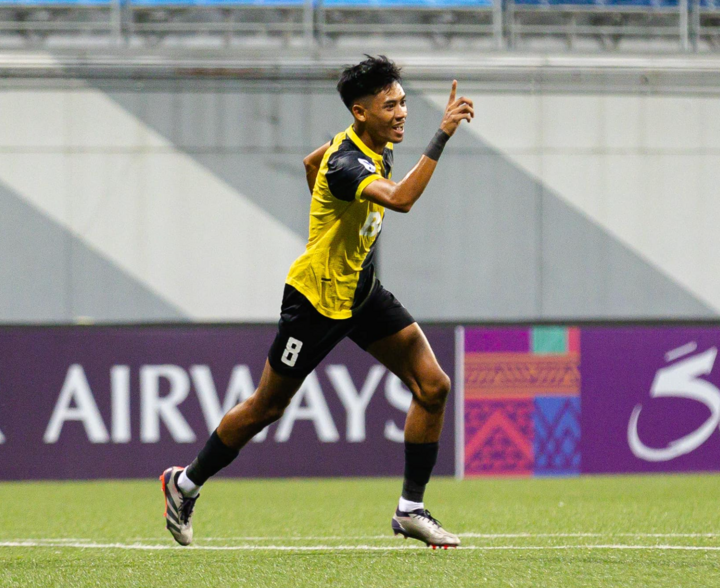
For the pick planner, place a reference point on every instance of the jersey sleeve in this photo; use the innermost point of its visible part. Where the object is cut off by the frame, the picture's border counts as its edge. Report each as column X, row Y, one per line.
column 348, row 174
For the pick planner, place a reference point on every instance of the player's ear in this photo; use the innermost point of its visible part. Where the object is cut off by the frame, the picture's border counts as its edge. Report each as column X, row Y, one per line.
column 359, row 112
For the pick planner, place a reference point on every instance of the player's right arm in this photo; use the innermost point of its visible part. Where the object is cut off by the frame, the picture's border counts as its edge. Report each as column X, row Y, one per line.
column 401, row 196
column 312, row 165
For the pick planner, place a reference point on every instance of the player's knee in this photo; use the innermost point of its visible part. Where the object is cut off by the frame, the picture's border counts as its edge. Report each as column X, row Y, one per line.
column 434, row 392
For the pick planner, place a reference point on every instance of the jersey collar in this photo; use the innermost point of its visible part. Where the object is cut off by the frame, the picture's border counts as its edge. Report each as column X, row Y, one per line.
column 360, row 145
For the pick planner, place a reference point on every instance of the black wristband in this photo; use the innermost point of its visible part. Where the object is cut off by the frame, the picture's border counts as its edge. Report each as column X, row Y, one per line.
column 436, row 146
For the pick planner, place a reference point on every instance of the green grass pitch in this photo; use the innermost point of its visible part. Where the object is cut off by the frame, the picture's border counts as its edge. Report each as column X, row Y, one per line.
column 591, row 531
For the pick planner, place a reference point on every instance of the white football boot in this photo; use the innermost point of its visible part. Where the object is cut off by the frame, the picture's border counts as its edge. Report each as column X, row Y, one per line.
column 419, row 524
column 178, row 508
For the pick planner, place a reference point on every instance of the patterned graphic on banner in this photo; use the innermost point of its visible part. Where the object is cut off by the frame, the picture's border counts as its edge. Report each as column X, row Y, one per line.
column 522, row 401
column 501, row 438
column 557, row 435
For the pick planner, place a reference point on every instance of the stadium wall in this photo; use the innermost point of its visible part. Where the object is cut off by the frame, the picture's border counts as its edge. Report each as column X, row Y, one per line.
column 185, row 200
column 562, row 400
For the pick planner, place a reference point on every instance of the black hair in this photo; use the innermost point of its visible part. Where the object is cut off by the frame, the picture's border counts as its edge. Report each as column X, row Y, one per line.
column 367, row 78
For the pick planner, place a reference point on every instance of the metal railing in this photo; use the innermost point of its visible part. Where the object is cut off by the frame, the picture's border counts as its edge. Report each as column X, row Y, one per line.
column 685, row 25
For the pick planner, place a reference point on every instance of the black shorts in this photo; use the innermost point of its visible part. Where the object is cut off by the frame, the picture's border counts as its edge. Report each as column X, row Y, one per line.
column 305, row 336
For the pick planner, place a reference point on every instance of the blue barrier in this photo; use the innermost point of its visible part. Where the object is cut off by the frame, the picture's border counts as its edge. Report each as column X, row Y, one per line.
column 328, row 3
column 31, row 3
column 259, row 3
column 604, row 3
column 644, row 3
column 407, row 3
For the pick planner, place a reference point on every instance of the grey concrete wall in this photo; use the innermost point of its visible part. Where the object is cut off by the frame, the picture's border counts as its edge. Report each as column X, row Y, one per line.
column 488, row 240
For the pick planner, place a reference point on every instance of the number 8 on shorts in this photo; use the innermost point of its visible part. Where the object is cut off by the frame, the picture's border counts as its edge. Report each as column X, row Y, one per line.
column 292, row 350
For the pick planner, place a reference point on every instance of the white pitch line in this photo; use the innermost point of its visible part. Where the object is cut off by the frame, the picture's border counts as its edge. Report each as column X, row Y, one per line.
column 578, row 535
column 391, row 538
column 141, row 547
column 467, row 535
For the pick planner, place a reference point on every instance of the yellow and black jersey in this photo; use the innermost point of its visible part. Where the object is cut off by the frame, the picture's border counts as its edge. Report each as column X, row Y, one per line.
column 336, row 273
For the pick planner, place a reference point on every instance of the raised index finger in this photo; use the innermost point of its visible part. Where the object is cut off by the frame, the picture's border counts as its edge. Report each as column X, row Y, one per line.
column 452, row 92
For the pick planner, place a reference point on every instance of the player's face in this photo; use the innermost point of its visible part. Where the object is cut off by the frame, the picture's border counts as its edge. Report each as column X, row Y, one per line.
column 386, row 114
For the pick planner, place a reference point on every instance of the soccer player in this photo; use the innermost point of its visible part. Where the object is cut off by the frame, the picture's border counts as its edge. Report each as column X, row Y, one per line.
column 332, row 292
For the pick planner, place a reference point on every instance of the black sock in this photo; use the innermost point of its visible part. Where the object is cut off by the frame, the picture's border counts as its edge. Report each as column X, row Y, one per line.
column 211, row 459
column 420, row 459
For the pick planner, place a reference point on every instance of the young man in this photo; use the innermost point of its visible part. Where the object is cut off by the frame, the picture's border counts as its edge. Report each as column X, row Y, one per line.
column 332, row 293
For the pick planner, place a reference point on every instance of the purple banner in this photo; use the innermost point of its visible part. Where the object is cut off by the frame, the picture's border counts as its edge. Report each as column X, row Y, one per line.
column 117, row 402
column 559, row 401
column 650, row 399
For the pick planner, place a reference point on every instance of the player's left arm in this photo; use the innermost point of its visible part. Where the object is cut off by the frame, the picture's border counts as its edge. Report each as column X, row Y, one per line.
column 312, row 165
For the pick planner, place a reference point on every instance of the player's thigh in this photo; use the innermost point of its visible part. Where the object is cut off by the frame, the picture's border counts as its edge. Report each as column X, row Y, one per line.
column 264, row 407
column 410, row 357
column 386, row 330
column 379, row 317
column 275, row 390
column 304, row 337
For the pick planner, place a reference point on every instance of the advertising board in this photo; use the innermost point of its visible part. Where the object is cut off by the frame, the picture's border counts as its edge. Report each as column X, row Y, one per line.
column 552, row 401
column 119, row 402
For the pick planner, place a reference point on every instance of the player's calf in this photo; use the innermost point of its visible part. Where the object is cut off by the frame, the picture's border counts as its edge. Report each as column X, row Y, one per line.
column 267, row 405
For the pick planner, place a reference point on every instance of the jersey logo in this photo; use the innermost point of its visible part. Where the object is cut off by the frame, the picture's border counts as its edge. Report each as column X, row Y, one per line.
column 368, row 166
